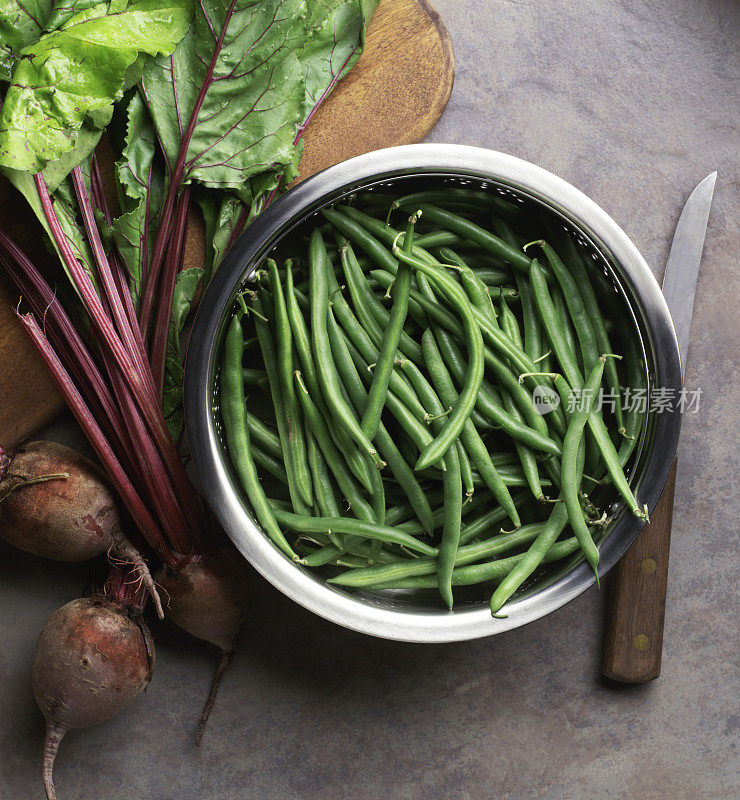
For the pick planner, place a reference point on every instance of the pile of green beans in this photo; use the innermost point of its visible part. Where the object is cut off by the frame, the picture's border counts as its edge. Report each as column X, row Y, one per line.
column 393, row 437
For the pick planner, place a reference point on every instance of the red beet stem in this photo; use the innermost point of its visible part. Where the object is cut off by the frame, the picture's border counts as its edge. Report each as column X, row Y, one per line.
column 117, row 474
column 158, row 350
column 151, row 285
column 107, row 281
column 65, row 339
column 223, row 665
column 147, row 402
column 120, row 274
column 54, row 735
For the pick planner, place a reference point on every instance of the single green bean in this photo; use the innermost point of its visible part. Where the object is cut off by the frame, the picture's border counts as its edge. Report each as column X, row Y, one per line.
column 389, row 345
column 355, row 527
column 234, row 415
column 269, row 463
column 636, row 380
column 523, row 567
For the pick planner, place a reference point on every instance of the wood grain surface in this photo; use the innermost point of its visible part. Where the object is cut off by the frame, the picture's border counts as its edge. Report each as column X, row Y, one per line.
column 633, row 642
column 394, row 95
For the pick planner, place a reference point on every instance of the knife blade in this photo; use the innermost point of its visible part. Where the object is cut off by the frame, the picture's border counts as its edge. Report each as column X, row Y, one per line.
column 682, row 269
column 633, row 643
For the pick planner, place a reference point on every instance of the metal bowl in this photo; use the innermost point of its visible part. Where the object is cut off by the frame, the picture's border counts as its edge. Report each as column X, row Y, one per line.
column 408, row 616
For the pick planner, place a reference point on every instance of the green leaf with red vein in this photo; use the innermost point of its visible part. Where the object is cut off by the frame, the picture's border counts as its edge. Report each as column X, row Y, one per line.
column 227, row 102
column 71, row 76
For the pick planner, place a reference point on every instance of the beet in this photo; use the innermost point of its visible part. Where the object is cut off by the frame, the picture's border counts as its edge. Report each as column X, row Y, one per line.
column 208, row 597
column 72, row 518
column 92, row 659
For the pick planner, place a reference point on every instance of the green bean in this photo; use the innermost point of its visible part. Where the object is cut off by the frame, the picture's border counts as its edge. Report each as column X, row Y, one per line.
column 466, row 470
column 389, row 345
column 366, row 238
column 388, row 449
column 569, row 477
column 234, row 415
column 324, row 555
column 291, row 409
column 355, row 460
column 493, row 278
column 452, row 485
column 533, row 344
column 636, row 380
column 474, row 374
column 576, row 306
column 526, row 456
column 253, row 377
column 477, row 291
column 470, row 438
column 468, row 197
column 478, row 500
column 509, row 325
column 328, row 554
column 324, row 491
column 414, row 428
column 335, row 461
column 366, row 302
column 578, row 270
column 474, row 233
column 439, row 239
column 269, row 463
column 328, row 377
column 369, row 351
column 489, row 404
column 262, row 436
column 566, row 325
column 269, row 358
column 529, row 562
column 490, row 571
column 596, row 424
column 484, row 522
column 355, row 527
column 467, row 554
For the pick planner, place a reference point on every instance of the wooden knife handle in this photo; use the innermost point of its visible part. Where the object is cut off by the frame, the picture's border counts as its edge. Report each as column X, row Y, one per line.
column 633, row 643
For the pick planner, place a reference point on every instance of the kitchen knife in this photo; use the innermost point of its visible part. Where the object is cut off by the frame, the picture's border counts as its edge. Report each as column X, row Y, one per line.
column 633, row 642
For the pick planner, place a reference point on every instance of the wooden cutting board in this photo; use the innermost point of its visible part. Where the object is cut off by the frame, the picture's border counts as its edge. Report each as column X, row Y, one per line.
column 394, row 95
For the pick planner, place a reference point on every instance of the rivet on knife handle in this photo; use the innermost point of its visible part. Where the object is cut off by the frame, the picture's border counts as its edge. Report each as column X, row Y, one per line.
column 634, row 634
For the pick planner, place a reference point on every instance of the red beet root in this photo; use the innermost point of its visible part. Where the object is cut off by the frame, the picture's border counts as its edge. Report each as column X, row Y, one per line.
column 92, row 659
column 208, row 598
column 55, row 503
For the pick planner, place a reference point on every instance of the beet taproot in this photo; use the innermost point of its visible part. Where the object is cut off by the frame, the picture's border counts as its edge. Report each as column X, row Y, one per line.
column 55, row 503
column 208, row 598
column 92, row 659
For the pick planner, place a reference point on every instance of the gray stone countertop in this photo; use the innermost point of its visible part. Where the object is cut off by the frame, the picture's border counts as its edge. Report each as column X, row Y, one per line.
column 633, row 102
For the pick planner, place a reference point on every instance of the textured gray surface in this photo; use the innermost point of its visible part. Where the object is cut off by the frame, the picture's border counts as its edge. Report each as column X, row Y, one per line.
column 634, row 103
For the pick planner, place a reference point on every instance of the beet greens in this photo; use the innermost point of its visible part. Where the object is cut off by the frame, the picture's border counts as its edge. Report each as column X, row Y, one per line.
column 205, row 105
